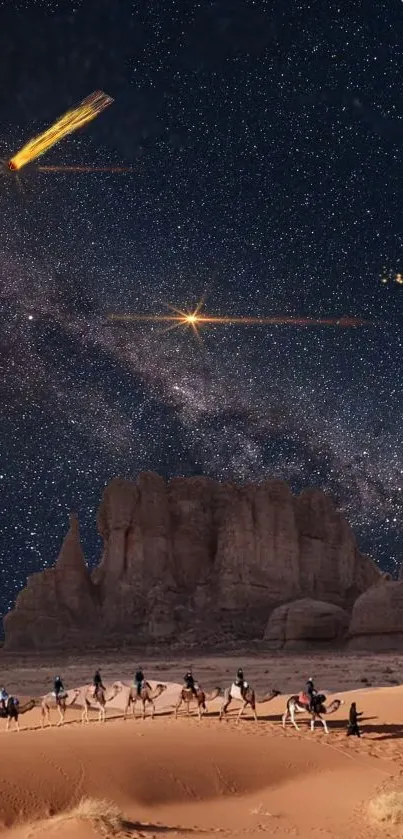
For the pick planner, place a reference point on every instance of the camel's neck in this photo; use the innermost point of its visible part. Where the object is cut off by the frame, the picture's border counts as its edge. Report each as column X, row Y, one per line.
column 334, row 706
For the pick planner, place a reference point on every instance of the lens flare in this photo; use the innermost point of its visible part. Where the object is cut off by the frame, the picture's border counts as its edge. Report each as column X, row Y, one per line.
column 74, row 119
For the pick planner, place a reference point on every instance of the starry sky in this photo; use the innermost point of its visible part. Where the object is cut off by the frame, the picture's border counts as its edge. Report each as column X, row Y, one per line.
column 265, row 140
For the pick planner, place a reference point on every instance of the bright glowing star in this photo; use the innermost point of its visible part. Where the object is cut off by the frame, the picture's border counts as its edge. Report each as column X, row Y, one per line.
column 86, row 111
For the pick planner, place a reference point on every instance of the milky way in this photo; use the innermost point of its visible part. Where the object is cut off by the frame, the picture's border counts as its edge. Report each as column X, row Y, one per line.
column 264, row 148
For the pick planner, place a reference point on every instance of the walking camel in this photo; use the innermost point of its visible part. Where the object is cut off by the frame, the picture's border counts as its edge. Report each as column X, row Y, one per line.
column 247, row 697
column 147, row 696
column 99, row 699
column 187, row 696
column 61, row 702
column 13, row 710
column 296, row 705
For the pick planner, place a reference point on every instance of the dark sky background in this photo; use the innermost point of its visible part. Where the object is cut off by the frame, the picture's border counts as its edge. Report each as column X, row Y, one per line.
column 267, row 144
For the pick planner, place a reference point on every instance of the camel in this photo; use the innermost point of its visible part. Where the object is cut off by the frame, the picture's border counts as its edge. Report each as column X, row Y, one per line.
column 295, row 705
column 13, row 710
column 247, row 697
column 99, row 699
column 146, row 696
column 186, row 696
column 60, row 702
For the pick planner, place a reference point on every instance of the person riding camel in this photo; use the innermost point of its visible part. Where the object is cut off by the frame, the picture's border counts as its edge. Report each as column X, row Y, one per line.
column 97, row 682
column 190, row 682
column 139, row 680
column 3, row 698
column 311, row 693
column 58, row 687
column 240, row 681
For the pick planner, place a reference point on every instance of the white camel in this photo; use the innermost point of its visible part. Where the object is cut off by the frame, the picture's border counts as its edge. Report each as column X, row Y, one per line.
column 248, row 698
column 296, row 705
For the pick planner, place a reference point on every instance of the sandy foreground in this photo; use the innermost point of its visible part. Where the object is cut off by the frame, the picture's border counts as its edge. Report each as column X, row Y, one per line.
column 187, row 778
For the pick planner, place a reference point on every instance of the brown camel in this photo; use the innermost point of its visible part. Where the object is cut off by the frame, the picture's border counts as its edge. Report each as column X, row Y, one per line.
column 61, row 702
column 99, row 699
column 187, row 696
column 296, row 706
column 247, row 696
column 13, row 710
column 147, row 696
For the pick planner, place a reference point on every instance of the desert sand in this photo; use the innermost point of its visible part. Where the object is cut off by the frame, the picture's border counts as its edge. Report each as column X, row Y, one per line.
column 192, row 779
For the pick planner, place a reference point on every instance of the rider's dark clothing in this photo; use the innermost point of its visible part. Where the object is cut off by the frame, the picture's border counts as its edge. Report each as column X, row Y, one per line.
column 138, row 680
column 311, row 694
column 58, row 686
column 190, row 682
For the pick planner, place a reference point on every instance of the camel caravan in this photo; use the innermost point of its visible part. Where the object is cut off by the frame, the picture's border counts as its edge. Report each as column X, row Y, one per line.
column 140, row 692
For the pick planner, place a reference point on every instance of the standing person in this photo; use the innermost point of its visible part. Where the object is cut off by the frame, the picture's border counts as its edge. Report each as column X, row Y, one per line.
column 138, row 680
column 353, row 719
column 97, row 682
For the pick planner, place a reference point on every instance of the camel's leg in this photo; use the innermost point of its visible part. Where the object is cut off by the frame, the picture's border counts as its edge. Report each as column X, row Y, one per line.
column 177, row 706
column 84, row 715
column 187, row 708
column 152, row 710
column 285, row 718
column 17, row 724
column 324, row 723
column 8, row 724
column 292, row 716
column 144, row 710
column 224, row 707
column 241, row 712
column 312, row 723
column 199, row 710
column 254, row 712
column 61, row 715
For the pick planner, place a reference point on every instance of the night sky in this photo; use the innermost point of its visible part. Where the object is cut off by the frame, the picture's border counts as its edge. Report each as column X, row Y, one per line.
column 266, row 141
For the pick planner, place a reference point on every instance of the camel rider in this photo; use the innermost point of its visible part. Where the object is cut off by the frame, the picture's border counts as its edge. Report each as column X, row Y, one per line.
column 97, row 682
column 240, row 681
column 3, row 698
column 58, row 687
column 139, row 680
column 190, row 682
column 311, row 693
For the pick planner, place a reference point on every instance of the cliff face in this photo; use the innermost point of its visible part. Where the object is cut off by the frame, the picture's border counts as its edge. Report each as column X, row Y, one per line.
column 192, row 554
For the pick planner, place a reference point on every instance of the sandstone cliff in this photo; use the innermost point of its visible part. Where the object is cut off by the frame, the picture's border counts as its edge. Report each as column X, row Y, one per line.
column 377, row 618
column 189, row 556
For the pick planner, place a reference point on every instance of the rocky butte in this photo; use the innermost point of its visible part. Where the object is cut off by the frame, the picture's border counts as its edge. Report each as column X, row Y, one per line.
column 199, row 561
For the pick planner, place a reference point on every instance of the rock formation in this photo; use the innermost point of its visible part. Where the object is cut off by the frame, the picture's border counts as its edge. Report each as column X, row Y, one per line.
column 377, row 617
column 195, row 556
column 304, row 624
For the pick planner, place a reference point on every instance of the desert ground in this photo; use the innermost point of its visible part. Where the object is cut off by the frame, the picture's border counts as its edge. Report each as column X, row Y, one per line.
column 191, row 779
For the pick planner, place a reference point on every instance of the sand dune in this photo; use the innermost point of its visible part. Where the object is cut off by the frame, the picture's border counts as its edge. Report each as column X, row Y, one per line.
column 182, row 777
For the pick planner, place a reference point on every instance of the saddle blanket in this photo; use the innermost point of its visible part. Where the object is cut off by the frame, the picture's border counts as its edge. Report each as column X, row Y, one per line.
column 61, row 695
column 303, row 698
column 236, row 692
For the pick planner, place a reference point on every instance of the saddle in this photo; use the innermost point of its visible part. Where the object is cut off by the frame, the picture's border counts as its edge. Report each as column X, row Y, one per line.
column 303, row 698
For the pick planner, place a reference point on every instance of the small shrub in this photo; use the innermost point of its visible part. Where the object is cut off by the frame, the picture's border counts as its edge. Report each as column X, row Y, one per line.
column 388, row 807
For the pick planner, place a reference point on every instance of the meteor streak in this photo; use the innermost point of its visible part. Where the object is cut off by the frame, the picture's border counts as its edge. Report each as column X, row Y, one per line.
column 113, row 169
column 195, row 319
column 74, row 119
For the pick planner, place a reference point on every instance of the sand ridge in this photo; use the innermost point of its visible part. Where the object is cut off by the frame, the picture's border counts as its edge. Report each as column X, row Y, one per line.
column 187, row 777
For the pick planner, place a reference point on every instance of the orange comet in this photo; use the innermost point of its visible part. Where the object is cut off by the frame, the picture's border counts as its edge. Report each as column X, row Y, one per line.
column 194, row 320
column 74, row 119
